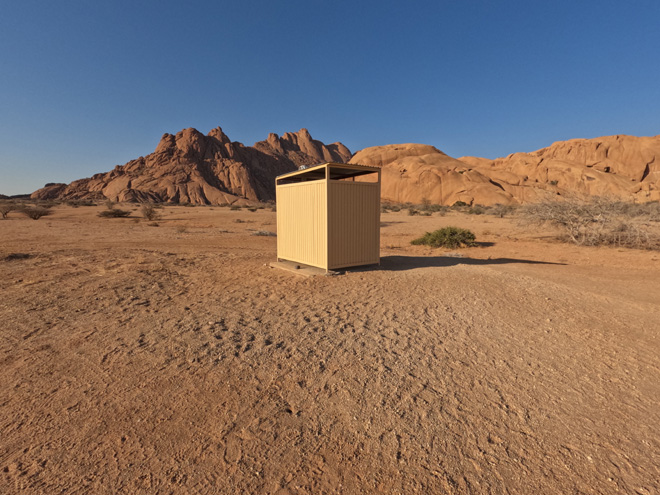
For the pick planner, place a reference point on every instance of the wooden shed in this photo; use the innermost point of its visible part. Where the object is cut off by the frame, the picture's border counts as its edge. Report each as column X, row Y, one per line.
column 326, row 218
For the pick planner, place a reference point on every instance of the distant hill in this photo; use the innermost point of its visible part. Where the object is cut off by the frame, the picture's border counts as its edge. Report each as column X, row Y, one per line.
column 622, row 167
column 190, row 167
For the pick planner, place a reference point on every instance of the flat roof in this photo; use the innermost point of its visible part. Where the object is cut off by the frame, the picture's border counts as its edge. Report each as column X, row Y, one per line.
column 337, row 171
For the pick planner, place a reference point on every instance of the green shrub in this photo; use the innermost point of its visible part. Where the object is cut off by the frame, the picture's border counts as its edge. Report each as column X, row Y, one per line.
column 449, row 237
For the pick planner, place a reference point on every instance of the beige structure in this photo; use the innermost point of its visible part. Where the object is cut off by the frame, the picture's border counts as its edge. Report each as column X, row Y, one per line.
column 327, row 219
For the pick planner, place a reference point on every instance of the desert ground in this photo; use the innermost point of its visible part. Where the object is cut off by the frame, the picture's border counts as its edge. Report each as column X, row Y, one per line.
column 137, row 358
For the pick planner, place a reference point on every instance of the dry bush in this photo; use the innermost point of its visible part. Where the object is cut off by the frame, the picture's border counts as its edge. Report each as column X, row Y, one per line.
column 502, row 211
column 114, row 213
column 597, row 222
column 35, row 212
column 6, row 208
column 75, row 203
column 476, row 210
column 149, row 212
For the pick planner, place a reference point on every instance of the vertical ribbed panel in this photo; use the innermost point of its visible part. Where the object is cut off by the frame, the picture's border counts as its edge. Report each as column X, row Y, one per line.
column 353, row 223
column 301, row 223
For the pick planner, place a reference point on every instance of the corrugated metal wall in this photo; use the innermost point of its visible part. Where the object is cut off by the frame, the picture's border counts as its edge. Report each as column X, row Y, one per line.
column 302, row 223
column 353, row 223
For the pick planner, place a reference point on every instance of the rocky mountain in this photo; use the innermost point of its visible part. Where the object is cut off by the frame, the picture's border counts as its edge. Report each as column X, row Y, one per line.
column 191, row 167
column 623, row 167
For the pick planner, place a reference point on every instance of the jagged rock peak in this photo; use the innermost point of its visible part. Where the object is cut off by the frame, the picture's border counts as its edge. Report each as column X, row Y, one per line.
column 192, row 167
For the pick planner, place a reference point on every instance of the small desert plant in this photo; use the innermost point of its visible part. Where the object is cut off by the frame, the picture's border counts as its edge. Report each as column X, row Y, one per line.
column 35, row 212
column 449, row 237
column 501, row 211
column 459, row 204
column 75, row 203
column 252, row 209
column 149, row 212
column 114, row 213
column 109, row 204
column 264, row 233
column 235, row 207
column 476, row 210
column 412, row 212
column 6, row 208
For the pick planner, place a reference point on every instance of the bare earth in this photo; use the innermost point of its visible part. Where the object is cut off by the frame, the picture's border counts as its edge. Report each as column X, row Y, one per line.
column 144, row 359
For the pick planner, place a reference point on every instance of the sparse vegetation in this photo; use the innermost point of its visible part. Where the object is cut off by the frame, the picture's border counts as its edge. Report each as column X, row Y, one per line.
column 598, row 222
column 149, row 212
column 264, row 233
column 476, row 210
column 502, row 210
column 6, row 209
column 75, row 203
column 109, row 204
column 448, row 237
column 35, row 212
column 235, row 207
column 459, row 204
column 413, row 211
column 114, row 213
column 252, row 209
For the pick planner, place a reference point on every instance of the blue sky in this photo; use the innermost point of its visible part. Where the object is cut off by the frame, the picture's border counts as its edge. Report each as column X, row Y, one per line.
column 85, row 86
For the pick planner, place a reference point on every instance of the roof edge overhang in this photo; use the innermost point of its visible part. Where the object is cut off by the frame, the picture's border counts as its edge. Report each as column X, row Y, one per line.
column 312, row 172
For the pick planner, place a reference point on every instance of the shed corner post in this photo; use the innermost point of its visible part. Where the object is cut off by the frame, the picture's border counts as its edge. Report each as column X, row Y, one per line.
column 327, row 217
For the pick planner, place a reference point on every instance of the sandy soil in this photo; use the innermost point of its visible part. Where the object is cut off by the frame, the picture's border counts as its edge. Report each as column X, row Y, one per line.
column 172, row 359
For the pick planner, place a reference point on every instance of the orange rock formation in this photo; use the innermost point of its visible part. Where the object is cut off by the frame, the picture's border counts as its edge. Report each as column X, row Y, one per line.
column 622, row 167
column 190, row 167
